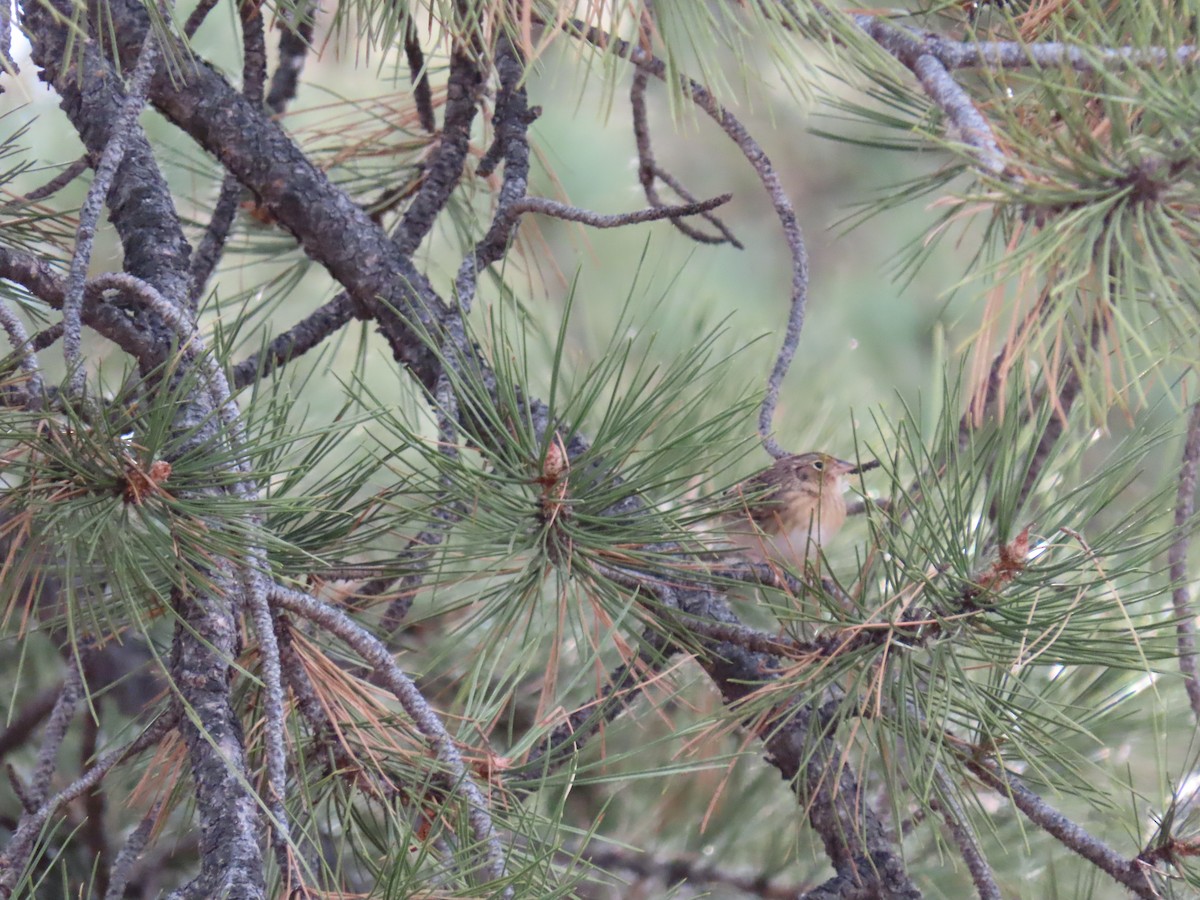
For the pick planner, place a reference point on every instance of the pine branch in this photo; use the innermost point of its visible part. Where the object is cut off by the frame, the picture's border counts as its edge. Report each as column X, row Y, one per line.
column 650, row 172
column 296, row 22
column 959, row 826
column 1177, row 559
column 417, row 707
column 696, row 872
column 946, row 93
column 124, row 129
column 419, row 76
column 443, row 172
column 22, row 726
column 1130, row 873
column 254, row 74
column 122, row 867
column 56, row 730
column 767, row 174
column 14, row 857
column 296, row 341
column 29, row 395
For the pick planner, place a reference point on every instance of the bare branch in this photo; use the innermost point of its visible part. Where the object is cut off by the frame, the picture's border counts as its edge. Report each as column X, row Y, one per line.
column 511, row 121
column 650, row 172
column 623, row 686
column 56, row 730
column 941, row 88
column 254, row 74
column 557, row 210
column 19, row 338
column 426, row 720
column 695, row 871
column 28, row 719
column 197, row 17
column 419, row 75
column 765, row 169
column 1177, row 559
column 443, row 172
column 95, row 834
column 296, row 341
column 15, row 855
column 1129, row 873
column 55, row 184
column 118, row 876
column 963, row 835
column 1013, row 55
column 6, row 60
column 297, row 22
column 89, row 214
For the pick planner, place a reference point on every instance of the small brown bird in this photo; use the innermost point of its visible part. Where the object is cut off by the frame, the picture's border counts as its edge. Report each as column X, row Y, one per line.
column 790, row 508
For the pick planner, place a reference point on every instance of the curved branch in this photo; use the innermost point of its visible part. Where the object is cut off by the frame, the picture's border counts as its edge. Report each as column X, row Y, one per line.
column 649, row 171
column 89, row 214
column 12, row 860
column 765, row 169
column 254, row 74
column 1130, row 873
column 940, row 87
column 422, row 714
column 1177, row 559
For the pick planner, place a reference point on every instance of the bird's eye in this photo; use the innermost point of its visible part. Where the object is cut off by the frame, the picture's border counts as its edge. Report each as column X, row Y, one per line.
column 818, row 465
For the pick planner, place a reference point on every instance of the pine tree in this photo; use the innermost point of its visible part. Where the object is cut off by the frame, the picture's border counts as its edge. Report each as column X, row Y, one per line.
column 363, row 479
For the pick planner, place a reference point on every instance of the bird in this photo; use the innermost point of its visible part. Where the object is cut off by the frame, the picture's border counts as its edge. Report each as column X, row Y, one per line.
column 789, row 509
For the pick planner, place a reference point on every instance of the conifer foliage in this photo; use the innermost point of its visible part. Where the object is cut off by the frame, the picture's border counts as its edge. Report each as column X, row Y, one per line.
column 359, row 540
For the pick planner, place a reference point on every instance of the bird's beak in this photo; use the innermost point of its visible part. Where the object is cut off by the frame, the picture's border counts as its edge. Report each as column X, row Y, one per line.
column 850, row 468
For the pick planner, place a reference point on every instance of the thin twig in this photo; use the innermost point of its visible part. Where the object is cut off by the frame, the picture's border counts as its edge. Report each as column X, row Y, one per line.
column 56, row 730
column 422, row 714
column 419, row 76
column 254, row 74
column 55, row 184
column 26, row 353
column 765, row 170
column 296, row 341
column 1130, row 873
column 963, row 835
column 511, row 121
column 509, row 215
column 297, row 23
column 122, row 867
column 697, row 872
column 1177, row 558
column 94, row 832
column 197, row 17
column 1014, row 55
column 444, row 170
column 15, row 855
column 89, row 213
column 47, row 336
column 557, row 210
column 6, row 60
column 941, row 88
column 650, row 172
column 446, row 513
column 28, row 719
column 623, row 686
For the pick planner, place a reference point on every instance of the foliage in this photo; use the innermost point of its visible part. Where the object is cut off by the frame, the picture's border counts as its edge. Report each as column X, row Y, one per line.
column 361, row 488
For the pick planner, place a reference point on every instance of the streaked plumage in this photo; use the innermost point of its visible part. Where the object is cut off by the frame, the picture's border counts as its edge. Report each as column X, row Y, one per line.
column 789, row 508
